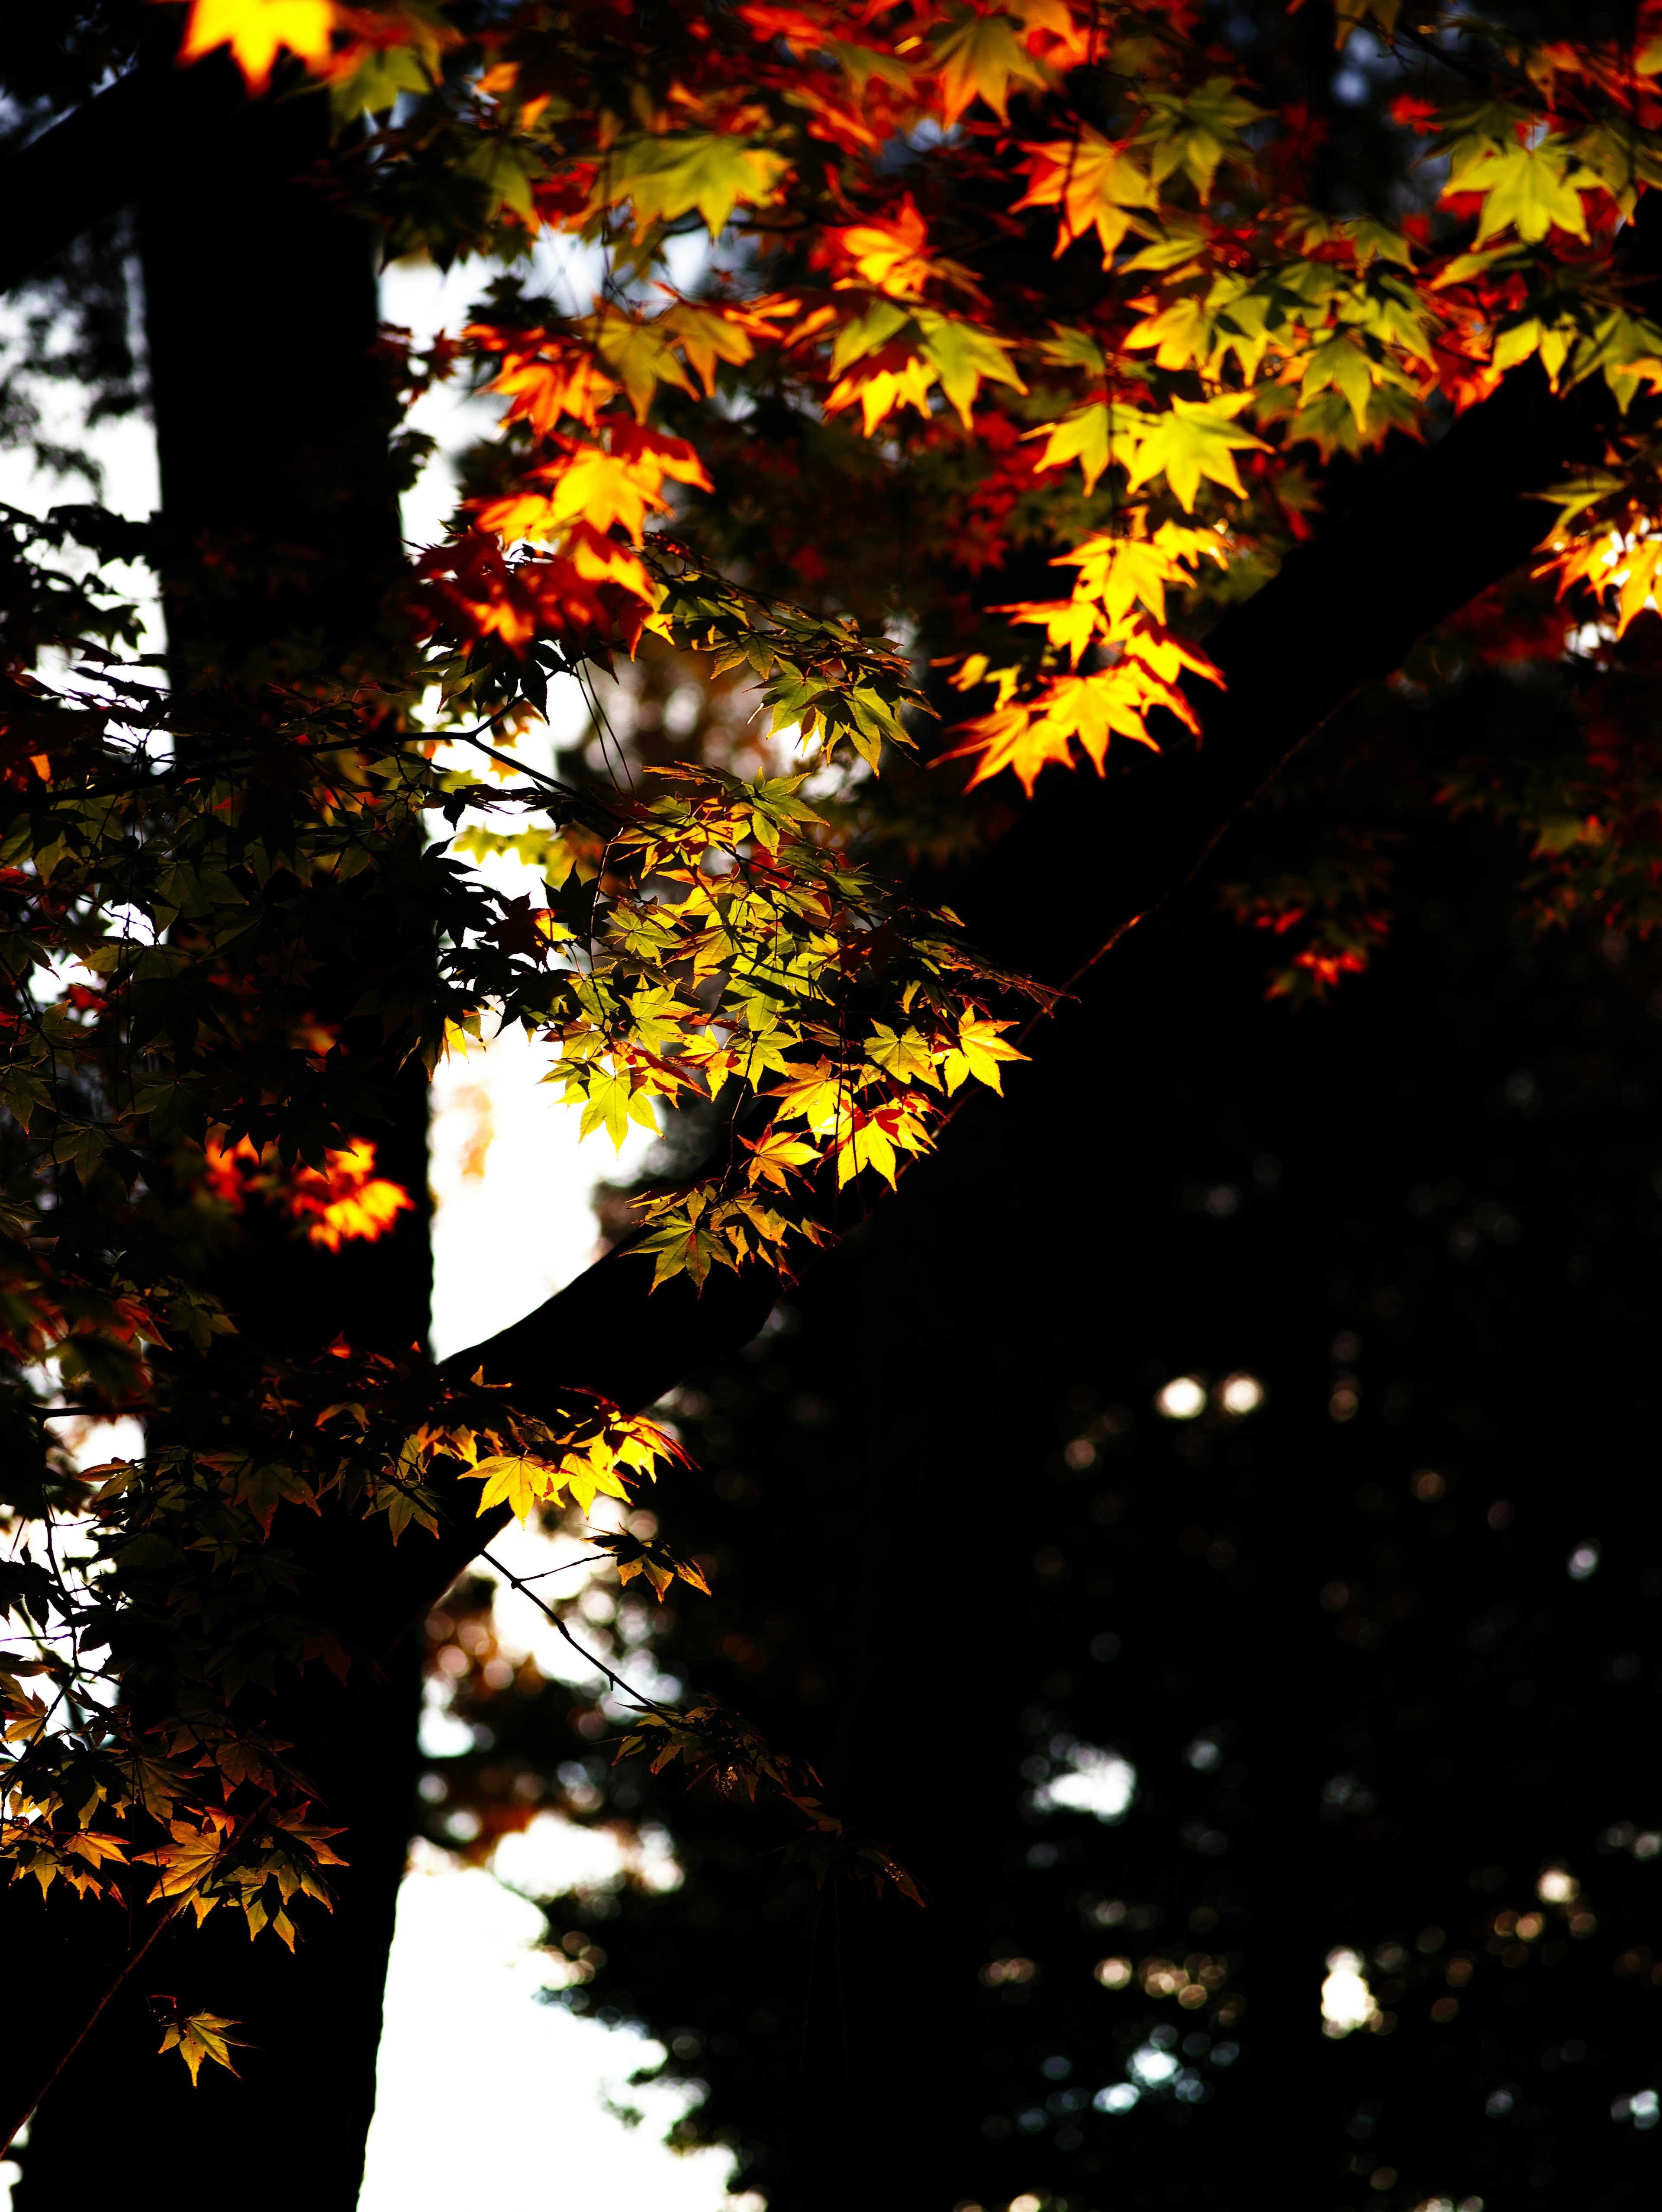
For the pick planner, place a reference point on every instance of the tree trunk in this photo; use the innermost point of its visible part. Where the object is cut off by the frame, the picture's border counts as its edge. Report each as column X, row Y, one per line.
column 271, row 419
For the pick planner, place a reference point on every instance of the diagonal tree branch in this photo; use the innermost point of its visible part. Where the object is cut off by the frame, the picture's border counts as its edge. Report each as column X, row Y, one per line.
column 1089, row 858
column 1085, row 862
column 108, row 152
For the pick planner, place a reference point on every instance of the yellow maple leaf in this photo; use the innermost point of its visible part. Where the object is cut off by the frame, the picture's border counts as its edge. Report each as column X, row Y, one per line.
column 257, row 30
column 1637, row 576
column 517, row 1481
column 667, row 177
column 597, row 488
column 200, row 2035
column 895, row 377
column 1025, row 736
column 980, row 1048
column 773, row 1156
column 89, row 1844
column 870, row 1141
column 184, row 1864
column 1067, row 622
column 585, row 1475
column 1122, row 574
column 811, row 1096
column 903, row 1054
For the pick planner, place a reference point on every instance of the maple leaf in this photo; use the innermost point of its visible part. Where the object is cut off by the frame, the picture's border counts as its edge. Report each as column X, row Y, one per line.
column 1085, row 435
column 183, row 1866
column 1123, row 573
column 614, row 1100
column 708, row 334
column 773, row 1156
column 543, row 377
column 1198, row 438
column 344, row 1199
column 896, row 375
column 519, row 1480
column 652, row 1558
column 1067, row 622
column 1181, row 333
column 522, row 1480
column 1637, row 576
column 903, row 1055
column 1532, row 187
column 200, row 2035
column 598, row 488
column 257, row 30
column 870, row 1141
column 894, row 255
column 153, row 1785
column 1344, row 364
column 1093, row 180
column 1195, row 131
column 684, row 1243
column 982, row 57
column 981, row 1047
column 99, row 1849
column 711, row 171
column 592, row 1475
column 813, row 1094
column 263, row 1488
column 962, row 355
column 644, row 352
column 1026, row 736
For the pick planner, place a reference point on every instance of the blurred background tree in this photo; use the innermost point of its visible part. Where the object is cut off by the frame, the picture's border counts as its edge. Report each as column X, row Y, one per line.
column 1283, row 1591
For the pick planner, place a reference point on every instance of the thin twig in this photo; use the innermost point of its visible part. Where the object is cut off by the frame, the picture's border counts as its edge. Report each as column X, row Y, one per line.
column 522, row 1583
column 134, row 1959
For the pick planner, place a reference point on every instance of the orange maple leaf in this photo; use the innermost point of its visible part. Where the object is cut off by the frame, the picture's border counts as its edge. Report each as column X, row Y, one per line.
column 891, row 254
column 894, row 376
column 1091, row 180
column 544, row 376
column 598, row 487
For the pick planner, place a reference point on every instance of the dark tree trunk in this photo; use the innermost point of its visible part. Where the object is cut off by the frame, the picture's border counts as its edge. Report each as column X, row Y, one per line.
column 271, row 419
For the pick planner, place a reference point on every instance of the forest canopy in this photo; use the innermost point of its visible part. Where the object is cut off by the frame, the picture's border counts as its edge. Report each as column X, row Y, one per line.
column 1018, row 429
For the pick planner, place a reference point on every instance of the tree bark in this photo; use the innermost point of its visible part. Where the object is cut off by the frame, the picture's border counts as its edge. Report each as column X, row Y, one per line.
column 270, row 419
column 148, row 125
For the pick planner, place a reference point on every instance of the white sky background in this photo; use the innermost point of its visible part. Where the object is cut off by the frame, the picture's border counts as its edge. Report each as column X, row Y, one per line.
column 507, row 2108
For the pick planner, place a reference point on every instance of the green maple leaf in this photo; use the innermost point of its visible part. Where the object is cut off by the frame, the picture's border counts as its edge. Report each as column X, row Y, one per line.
column 984, row 56
column 1194, row 133
column 1340, row 364
column 961, row 357
column 706, row 170
column 1196, row 439
column 1530, row 187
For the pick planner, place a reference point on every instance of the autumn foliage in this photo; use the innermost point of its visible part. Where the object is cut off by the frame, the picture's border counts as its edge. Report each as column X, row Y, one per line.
column 1037, row 290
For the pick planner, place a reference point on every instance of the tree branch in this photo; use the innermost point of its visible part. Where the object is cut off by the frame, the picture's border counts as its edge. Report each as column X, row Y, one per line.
column 106, row 154
column 1092, row 857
